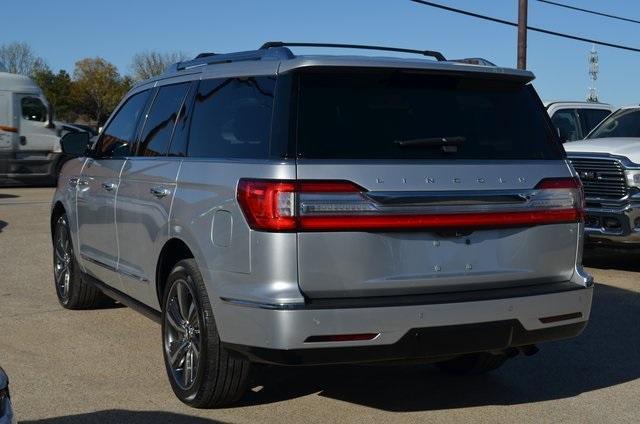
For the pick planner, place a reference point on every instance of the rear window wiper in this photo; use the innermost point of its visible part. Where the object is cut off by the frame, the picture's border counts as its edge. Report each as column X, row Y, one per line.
column 432, row 142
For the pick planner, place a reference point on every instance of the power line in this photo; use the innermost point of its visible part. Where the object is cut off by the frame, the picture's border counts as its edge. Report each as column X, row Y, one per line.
column 535, row 29
column 593, row 12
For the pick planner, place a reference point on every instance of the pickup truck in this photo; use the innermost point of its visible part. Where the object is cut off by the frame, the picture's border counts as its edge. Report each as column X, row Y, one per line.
column 608, row 163
column 574, row 120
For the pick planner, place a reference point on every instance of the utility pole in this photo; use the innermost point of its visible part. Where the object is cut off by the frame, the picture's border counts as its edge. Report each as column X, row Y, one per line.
column 522, row 34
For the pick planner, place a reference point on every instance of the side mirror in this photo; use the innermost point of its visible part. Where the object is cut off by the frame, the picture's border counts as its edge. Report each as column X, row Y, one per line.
column 75, row 143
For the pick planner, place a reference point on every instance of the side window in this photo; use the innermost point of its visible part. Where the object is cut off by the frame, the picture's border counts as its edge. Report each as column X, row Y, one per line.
column 567, row 124
column 178, row 145
column 117, row 137
column 157, row 131
column 33, row 109
column 232, row 118
column 591, row 118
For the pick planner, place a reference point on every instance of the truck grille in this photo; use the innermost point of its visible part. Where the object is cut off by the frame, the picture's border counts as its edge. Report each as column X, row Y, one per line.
column 602, row 178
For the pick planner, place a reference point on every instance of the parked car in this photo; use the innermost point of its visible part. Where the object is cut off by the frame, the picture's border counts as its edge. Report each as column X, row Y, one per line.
column 6, row 410
column 29, row 139
column 66, row 127
column 608, row 163
column 269, row 207
column 574, row 120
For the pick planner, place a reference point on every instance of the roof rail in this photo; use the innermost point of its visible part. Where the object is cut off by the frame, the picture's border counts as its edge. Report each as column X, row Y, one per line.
column 474, row 61
column 204, row 59
column 205, row 54
column 274, row 44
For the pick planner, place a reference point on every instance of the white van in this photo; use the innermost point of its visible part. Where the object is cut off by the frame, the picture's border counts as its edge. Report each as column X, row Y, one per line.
column 29, row 140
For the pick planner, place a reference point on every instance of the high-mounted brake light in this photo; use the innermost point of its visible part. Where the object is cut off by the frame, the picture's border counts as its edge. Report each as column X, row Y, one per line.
column 311, row 205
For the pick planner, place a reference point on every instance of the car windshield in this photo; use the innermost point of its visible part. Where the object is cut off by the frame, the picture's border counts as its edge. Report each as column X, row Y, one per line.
column 623, row 123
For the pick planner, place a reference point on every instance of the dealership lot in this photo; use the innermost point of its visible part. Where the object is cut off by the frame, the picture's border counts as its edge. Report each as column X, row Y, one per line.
column 106, row 365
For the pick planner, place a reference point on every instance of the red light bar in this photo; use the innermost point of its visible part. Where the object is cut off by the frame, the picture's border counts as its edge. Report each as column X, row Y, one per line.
column 427, row 222
column 341, row 337
column 333, row 205
column 556, row 318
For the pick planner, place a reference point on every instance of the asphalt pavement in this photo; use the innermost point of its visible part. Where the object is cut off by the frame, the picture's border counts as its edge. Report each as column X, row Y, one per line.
column 105, row 366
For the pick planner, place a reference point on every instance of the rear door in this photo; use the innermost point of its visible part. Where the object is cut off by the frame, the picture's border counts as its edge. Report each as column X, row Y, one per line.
column 448, row 193
column 145, row 193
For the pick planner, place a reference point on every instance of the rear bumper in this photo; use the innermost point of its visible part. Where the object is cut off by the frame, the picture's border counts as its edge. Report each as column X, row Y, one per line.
column 419, row 343
column 424, row 330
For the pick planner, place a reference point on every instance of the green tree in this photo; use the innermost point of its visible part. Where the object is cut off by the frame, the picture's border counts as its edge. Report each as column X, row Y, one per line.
column 57, row 89
column 97, row 88
column 151, row 63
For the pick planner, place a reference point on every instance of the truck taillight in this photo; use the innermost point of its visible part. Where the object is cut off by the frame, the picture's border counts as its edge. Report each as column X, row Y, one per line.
column 312, row 205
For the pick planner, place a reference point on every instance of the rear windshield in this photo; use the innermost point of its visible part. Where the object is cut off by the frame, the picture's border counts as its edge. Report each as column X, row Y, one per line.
column 405, row 115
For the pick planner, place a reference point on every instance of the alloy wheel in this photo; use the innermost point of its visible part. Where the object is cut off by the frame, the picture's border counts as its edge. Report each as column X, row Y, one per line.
column 182, row 336
column 63, row 254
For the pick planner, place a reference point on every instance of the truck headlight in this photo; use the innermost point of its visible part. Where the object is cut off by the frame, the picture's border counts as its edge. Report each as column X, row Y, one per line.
column 633, row 177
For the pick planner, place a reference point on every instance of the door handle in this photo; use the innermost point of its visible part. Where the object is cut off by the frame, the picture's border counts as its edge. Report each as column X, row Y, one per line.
column 109, row 186
column 159, row 192
column 73, row 182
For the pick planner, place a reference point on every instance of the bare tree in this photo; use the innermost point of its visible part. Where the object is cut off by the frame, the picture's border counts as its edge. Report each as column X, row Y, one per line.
column 19, row 58
column 151, row 63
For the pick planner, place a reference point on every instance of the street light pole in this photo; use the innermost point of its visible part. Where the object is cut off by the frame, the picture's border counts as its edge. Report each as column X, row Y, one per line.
column 522, row 34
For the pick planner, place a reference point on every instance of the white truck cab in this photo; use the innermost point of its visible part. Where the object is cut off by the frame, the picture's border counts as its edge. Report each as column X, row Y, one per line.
column 29, row 141
column 574, row 120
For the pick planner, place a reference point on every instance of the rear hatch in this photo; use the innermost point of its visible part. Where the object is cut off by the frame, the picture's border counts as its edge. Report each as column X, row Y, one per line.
column 413, row 182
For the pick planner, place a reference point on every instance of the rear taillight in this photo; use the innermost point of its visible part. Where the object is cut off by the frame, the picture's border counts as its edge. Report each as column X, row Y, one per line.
column 311, row 205
column 268, row 205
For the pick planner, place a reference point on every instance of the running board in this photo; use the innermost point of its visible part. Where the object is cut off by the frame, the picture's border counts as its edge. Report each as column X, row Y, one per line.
column 125, row 299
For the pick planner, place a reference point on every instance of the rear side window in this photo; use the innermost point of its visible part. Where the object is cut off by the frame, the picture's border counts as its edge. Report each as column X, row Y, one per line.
column 116, row 139
column 591, row 118
column 232, row 118
column 368, row 114
column 158, row 129
column 566, row 121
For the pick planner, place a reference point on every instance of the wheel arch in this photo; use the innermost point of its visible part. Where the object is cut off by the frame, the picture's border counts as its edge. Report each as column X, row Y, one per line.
column 57, row 211
column 173, row 251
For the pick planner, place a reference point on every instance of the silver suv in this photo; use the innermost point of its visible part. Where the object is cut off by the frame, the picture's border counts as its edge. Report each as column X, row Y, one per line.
column 273, row 208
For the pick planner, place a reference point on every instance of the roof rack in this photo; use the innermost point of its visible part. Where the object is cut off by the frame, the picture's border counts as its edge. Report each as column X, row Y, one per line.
column 273, row 44
column 204, row 59
column 277, row 50
column 474, row 61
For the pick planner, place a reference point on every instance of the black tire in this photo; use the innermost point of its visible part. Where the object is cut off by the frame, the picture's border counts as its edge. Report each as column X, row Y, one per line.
column 473, row 363
column 72, row 291
column 214, row 377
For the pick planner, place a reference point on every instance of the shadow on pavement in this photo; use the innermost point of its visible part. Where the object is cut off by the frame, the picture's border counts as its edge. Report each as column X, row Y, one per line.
column 624, row 260
column 605, row 355
column 120, row 416
column 3, row 224
column 7, row 195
